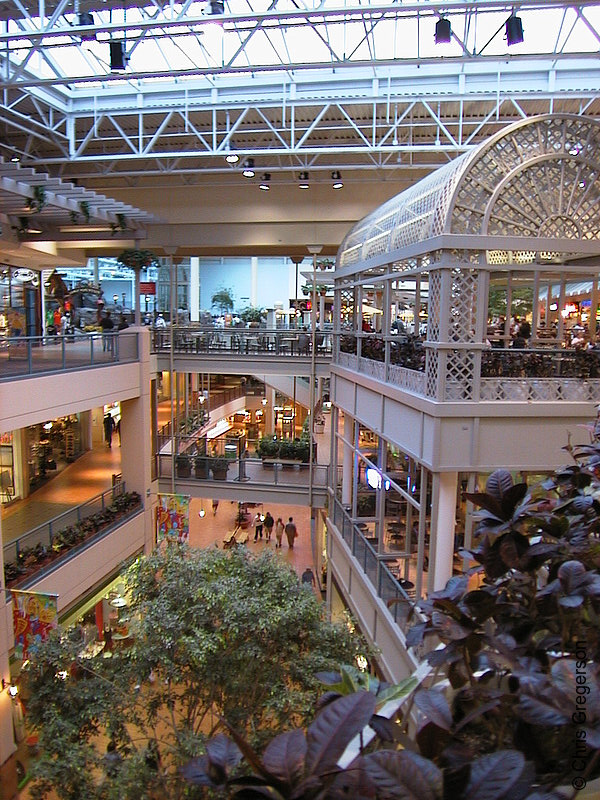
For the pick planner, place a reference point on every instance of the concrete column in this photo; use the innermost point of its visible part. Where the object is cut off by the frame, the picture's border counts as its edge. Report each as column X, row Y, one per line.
column 20, row 463
column 194, row 289
column 254, row 281
column 86, row 430
column 269, row 411
column 136, row 441
column 93, row 263
column 347, row 461
column 443, row 523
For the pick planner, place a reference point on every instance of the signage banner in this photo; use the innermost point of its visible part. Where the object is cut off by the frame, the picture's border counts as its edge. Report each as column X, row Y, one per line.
column 173, row 517
column 34, row 615
column 147, row 287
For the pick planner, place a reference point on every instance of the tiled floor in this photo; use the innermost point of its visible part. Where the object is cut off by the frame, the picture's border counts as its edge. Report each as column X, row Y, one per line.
column 91, row 474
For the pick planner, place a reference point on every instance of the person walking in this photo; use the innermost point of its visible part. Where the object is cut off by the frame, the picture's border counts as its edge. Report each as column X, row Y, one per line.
column 258, row 525
column 109, row 426
column 107, row 326
column 308, row 578
column 269, row 522
column 279, row 528
column 291, row 532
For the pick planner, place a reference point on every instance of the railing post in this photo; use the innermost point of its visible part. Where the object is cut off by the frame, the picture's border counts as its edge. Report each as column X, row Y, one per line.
column 91, row 335
column 29, row 357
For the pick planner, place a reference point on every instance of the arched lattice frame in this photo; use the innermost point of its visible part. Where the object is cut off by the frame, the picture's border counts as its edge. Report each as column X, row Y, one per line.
column 536, row 183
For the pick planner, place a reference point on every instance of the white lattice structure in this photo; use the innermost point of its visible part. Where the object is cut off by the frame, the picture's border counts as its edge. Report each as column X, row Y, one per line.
column 523, row 203
column 522, row 210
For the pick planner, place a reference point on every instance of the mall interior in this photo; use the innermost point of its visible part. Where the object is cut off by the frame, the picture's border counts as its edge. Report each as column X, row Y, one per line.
column 353, row 284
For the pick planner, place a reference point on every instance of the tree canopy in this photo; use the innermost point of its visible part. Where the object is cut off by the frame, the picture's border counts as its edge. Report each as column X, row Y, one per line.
column 223, row 300
column 216, row 635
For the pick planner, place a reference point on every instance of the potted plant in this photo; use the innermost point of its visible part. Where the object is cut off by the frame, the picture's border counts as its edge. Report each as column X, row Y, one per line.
column 201, row 467
column 183, row 465
column 243, row 517
column 268, row 448
column 219, row 466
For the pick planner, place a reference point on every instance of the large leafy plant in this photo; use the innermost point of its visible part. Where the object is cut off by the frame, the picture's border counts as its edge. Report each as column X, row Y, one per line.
column 515, row 711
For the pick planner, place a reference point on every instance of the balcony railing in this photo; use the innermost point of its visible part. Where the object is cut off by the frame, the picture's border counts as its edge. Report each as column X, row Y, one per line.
column 240, row 341
column 506, row 374
column 384, row 584
column 23, row 356
column 41, row 550
column 271, row 473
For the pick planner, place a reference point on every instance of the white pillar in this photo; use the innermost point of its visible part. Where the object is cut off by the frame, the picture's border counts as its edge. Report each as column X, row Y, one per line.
column 254, row 282
column 136, row 442
column 269, row 411
column 347, row 460
column 321, row 311
column 194, row 289
column 443, row 523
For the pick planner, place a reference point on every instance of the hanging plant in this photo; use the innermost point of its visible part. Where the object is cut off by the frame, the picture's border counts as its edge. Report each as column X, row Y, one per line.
column 136, row 259
column 119, row 225
column 84, row 211
column 320, row 288
column 38, row 201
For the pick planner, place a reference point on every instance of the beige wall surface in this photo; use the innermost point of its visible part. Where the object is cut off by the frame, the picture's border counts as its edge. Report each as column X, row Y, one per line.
column 236, row 217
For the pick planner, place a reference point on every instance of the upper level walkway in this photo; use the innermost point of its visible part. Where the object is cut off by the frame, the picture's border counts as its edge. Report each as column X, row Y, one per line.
column 230, row 350
column 26, row 356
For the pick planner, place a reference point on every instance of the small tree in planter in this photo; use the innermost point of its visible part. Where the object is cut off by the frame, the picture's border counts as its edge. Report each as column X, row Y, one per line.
column 219, row 466
column 201, row 466
column 183, row 465
column 268, row 447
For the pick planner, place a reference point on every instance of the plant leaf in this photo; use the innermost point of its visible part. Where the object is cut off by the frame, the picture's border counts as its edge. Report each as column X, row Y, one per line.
column 397, row 691
column 498, row 483
column 494, row 774
column 284, row 756
column 403, row 775
column 333, row 729
column 434, row 706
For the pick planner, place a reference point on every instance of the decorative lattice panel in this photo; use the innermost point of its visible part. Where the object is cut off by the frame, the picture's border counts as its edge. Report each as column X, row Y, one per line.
column 460, row 368
column 549, row 169
column 463, row 305
column 432, row 363
column 434, row 309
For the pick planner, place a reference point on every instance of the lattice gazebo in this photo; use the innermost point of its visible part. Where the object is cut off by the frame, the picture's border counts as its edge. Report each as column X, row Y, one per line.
column 519, row 211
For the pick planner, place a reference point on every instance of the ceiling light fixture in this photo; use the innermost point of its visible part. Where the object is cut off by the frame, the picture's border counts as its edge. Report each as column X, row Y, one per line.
column 514, row 30
column 86, row 18
column 303, row 181
column 216, row 8
column 249, row 168
column 337, row 179
column 443, row 31
column 231, row 157
column 118, row 55
column 264, row 184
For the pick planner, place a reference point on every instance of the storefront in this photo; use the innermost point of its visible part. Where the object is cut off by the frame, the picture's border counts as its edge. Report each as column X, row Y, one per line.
column 52, row 445
column 19, row 302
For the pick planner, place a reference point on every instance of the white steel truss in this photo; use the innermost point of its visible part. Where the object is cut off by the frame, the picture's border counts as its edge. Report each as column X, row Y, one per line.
column 304, row 85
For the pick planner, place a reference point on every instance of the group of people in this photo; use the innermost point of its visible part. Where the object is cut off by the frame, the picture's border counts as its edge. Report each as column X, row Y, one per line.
column 269, row 524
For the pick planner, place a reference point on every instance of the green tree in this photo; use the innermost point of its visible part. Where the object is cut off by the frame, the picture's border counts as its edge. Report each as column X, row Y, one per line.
column 252, row 314
column 522, row 302
column 217, row 635
column 223, row 300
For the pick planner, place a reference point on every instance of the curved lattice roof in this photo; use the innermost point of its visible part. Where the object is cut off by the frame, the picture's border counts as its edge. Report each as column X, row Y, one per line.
column 539, row 178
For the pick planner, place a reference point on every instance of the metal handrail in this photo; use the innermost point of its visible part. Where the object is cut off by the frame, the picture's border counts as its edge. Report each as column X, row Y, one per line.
column 240, row 341
column 43, row 535
column 23, row 356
